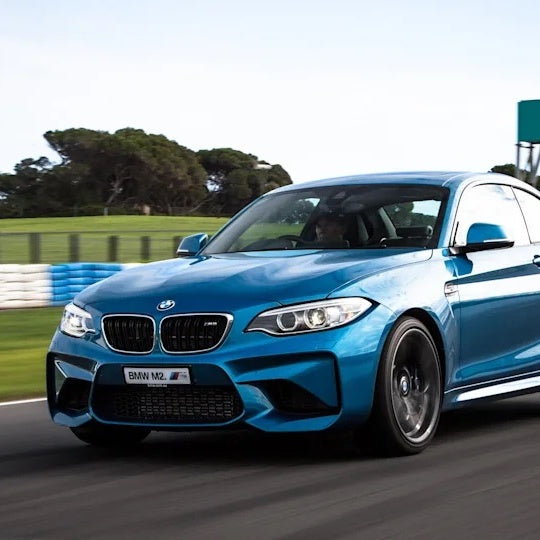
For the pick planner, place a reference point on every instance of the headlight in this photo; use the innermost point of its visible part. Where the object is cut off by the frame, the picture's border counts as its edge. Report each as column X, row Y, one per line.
column 76, row 322
column 309, row 317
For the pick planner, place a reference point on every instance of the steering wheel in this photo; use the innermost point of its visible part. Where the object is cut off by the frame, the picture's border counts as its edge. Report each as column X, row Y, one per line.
column 292, row 238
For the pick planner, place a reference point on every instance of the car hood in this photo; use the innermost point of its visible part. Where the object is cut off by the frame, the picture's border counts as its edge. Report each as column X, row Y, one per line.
column 236, row 280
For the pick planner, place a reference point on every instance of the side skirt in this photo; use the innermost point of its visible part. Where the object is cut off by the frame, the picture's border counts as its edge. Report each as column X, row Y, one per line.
column 492, row 390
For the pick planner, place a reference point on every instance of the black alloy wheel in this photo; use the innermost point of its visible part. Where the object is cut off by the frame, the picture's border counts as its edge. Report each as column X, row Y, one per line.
column 408, row 392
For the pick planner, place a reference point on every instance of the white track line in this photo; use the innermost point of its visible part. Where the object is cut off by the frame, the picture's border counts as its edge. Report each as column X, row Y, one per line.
column 22, row 401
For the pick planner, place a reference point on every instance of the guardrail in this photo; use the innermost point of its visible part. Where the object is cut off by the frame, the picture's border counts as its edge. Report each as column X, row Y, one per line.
column 40, row 285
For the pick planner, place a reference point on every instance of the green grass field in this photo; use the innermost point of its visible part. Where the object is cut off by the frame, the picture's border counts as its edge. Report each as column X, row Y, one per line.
column 25, row 337
column 93, row 233
column 110, row 224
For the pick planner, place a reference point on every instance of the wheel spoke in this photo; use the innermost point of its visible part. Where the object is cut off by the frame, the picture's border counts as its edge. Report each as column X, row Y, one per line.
column 403, row 415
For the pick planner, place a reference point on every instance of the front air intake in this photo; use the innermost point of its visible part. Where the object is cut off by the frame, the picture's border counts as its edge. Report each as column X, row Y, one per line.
column 176, row 404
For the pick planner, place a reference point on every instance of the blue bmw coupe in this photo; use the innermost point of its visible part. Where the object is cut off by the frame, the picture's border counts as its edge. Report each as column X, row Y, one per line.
column 369, row 302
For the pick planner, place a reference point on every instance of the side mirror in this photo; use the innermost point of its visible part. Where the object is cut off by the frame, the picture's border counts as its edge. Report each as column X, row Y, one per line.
column 191, row 245
column 483, row 236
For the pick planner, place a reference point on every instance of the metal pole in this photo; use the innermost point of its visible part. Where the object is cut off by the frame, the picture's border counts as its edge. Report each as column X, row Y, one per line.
column 34, row 247
column 113, row 248
column 518, row 172
column 74, row 255
column 534, row 172
column 145, row 248
column 531, row 146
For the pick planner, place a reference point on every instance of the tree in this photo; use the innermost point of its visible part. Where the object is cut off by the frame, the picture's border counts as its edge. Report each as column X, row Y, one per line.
column 234, row 178
column 26, row 193
column 8, row 198
column 522, row 174
column 219, row 162
column 299, row 213
column 131, row 168
column 508, row 168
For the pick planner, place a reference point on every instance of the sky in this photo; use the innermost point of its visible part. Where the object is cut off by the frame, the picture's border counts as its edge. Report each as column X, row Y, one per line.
column 323, row 88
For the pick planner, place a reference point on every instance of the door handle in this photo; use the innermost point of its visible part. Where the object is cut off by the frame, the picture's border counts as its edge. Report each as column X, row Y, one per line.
column 536, row 260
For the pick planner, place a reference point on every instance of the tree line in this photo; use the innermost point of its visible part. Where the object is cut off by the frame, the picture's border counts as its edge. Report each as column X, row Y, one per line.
column 130, row 171
column 523, row 174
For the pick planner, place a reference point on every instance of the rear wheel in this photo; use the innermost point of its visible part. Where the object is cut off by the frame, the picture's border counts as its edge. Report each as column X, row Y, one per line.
column 110, row 436
column 408, row 391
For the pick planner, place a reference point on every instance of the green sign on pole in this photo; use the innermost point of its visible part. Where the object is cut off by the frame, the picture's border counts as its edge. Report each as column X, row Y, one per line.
column 529, row 121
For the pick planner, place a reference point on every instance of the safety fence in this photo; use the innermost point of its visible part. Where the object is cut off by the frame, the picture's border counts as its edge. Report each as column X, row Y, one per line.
column 87, row 246
column 39, row 285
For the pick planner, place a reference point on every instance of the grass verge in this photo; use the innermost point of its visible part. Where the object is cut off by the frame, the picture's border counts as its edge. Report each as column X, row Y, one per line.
column 110, row 224
column 25, row 335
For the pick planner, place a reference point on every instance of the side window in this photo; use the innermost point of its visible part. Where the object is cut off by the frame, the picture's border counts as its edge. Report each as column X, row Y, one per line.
column 530, row 205
column 413, row 214
column 491, row 203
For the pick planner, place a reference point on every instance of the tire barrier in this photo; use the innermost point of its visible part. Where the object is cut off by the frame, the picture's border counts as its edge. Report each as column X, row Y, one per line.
column 40, row 285
column 25, row 285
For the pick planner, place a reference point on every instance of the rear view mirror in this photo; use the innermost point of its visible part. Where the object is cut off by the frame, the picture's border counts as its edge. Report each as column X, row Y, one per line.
column 191, row 245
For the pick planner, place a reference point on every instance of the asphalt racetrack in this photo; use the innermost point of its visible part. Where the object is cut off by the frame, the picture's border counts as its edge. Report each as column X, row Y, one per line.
column 479, row 479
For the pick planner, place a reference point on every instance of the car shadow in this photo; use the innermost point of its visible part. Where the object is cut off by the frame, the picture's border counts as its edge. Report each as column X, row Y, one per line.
column 248, row 448
column 489, row 416
column 252, row 447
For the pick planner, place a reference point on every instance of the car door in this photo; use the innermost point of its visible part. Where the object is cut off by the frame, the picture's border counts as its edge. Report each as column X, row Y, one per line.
column 499, row 291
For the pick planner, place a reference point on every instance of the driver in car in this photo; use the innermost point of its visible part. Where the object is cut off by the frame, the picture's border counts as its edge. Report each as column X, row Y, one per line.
column 330, row 228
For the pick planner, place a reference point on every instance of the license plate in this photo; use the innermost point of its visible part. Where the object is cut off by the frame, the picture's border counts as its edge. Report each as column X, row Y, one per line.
column 159, row 376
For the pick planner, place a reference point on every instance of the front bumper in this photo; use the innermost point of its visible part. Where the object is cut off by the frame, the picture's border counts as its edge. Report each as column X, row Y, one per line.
column 306, row 382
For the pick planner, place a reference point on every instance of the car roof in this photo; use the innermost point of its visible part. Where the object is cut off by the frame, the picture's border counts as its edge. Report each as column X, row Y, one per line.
column 450, row 179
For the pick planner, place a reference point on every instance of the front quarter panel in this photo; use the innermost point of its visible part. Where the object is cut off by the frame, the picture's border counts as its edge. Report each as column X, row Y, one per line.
column 418, row 288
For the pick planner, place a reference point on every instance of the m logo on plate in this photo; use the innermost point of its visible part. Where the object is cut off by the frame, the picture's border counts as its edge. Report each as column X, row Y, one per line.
column 165, row 305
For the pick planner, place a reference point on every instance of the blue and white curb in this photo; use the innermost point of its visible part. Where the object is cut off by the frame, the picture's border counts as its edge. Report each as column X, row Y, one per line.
column 39, row 285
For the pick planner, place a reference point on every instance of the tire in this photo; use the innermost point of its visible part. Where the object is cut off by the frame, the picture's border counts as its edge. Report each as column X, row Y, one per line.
column 408, row 391
column 109, row 436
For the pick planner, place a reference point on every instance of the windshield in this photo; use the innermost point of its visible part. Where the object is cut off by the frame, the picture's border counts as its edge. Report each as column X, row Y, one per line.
column 337, row 217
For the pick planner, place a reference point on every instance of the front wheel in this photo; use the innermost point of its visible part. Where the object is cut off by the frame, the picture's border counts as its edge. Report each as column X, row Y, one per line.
column 110, row 436
column 408, row 390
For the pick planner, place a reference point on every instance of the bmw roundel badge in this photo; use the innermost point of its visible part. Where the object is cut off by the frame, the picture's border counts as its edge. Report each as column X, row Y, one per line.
column 165, row 305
